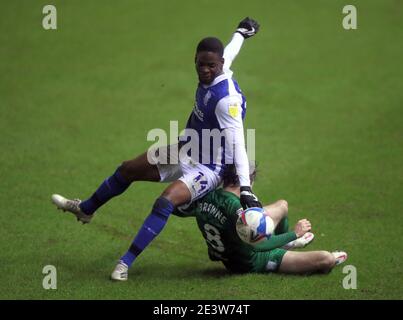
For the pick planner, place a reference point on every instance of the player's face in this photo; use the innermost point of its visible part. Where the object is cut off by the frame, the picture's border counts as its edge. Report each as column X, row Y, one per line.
column 208, row 66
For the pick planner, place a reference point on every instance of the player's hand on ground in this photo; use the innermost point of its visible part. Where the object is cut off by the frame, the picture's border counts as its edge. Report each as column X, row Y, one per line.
column 248, row 199
column 302, row 227
column 248, row 27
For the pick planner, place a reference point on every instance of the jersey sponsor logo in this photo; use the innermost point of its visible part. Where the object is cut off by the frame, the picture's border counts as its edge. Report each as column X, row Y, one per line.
column 233, row 110
column 199, row 114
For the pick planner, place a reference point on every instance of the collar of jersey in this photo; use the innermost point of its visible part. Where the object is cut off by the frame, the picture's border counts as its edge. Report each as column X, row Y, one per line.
column 231, row 193
column 218, row 79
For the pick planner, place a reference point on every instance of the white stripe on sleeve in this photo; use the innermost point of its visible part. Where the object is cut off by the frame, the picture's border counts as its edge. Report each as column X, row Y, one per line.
column 229, row 116
column 232, row 50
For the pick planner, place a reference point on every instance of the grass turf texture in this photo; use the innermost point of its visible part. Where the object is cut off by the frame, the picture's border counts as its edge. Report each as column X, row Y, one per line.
column 326, row 104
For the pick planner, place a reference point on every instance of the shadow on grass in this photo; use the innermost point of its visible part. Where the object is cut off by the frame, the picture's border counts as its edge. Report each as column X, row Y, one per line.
column 100, row 267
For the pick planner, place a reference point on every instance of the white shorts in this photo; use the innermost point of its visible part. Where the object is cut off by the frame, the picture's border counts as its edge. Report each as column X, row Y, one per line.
column 199, row 179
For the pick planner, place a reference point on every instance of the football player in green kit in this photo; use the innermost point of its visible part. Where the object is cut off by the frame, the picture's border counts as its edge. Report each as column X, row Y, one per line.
column 216, row 215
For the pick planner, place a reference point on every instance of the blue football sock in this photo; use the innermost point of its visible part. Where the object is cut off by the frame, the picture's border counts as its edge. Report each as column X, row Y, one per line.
column 111, row 187
column 152, row 226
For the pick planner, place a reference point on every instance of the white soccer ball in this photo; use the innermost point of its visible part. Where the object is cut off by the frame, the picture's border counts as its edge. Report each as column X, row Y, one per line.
column 253, row 226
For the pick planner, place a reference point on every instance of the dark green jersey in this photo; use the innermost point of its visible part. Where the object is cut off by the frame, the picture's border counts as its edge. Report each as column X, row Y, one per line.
column 216, row 216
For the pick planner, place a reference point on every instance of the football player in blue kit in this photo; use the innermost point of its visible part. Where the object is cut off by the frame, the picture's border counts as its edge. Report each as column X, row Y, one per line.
column 219, row 107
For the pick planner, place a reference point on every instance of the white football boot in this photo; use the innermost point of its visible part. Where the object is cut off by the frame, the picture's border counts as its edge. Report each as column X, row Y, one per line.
column 300, row 242
column 72, row 206
column 340, row 256
column 121, row 272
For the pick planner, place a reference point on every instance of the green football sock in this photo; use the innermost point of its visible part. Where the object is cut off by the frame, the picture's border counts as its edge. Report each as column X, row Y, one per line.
column 282, row 226
column 275, row 241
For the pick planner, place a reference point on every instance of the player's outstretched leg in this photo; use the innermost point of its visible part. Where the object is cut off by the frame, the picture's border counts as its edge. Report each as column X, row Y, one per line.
column 112, row 186
column 176, row 194
column 309, row 262
column 83, row 210
column 72, row 206
column 138, row 169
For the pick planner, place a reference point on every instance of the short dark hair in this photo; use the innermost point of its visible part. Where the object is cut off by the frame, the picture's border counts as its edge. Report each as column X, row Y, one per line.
column 230, row 177
column 211, row 44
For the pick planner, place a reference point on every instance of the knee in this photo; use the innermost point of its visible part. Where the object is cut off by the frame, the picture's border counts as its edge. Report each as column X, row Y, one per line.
column 126, row 170
column 326, row 262
column 284, row 205
column 177, row 193
column 172, row 196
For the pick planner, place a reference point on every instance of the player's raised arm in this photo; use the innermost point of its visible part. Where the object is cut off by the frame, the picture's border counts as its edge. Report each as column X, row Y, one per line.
column 229, row 116
column 246, row 28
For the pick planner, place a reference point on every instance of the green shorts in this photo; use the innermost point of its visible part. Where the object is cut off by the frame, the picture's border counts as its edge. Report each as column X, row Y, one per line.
column 268, row 261
column 259, row 262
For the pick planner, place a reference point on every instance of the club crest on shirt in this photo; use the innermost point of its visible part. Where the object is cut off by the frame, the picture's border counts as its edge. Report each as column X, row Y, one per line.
column 233, row 110
column 207, row 97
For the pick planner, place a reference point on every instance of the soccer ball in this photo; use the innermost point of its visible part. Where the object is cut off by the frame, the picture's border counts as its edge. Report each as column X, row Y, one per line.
column 253, row 226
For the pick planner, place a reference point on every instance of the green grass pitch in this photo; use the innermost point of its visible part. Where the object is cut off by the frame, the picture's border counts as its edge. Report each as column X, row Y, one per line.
column 326, row 104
